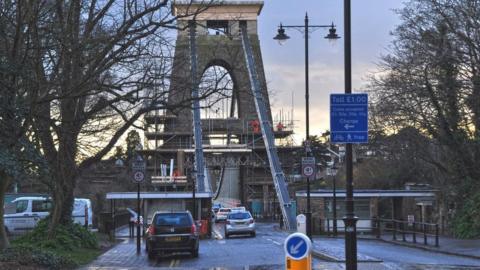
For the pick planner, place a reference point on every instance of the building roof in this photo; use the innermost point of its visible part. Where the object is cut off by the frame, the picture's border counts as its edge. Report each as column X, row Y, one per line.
column 218, row 9
column 156, row 195
column 368, row 193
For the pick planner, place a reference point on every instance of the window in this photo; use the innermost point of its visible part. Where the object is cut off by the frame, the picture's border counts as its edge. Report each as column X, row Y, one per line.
column 217, row 28
column 41, row 206
column 239, row 216
column 174, row 219
column 361, row 208
column 21, row 206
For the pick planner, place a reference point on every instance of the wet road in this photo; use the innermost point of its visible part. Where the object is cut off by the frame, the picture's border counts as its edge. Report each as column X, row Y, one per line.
column 265, row 252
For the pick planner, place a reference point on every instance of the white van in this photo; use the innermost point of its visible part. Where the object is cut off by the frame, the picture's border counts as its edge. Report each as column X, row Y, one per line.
column 29, row 210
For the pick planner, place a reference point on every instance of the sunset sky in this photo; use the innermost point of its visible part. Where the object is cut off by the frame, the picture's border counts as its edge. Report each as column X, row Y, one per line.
column 372, row 22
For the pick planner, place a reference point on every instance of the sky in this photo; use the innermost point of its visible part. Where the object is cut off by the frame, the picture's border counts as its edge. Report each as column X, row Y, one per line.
column 372, row 22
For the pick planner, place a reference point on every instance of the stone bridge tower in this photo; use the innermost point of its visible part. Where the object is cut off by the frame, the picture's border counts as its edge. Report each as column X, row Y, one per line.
column 233, row 145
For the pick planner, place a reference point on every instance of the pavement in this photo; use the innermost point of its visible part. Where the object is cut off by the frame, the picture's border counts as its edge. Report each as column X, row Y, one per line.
column 403, row 256
column 447, row 245
column 266, row 252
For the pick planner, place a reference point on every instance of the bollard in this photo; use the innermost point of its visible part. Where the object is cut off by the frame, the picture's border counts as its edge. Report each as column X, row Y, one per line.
column 378, row 227
column 414, row 235
column 403, row 232
column 302, row 224
column 436, row 235
column 394, row 230
column 425, row 234
column 313, row 226
column 328, row 227
column 298, row 252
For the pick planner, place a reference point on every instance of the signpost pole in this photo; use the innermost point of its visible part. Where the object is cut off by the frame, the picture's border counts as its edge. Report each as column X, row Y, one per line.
column 138, row 218
column 308, row 214
column 334, row 206
column 308, row 170
column 138, row 176
column 350, row 219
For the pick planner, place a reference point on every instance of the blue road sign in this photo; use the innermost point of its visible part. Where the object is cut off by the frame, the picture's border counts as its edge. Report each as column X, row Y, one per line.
column 297, row 246
column 349, row 118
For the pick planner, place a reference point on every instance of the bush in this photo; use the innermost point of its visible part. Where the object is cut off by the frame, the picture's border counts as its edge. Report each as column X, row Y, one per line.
column 70, row 246
column 64, row 237
column 28, row 255
column 467, row 221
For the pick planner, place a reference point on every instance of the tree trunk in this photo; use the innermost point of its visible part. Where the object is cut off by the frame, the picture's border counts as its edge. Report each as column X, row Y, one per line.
column 65, row 173
column 4, row 243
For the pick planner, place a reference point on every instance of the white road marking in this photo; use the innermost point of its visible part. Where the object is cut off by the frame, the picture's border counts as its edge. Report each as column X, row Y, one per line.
column 273, row 241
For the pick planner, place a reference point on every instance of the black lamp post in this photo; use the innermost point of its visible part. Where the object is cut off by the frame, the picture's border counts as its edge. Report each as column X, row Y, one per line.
column 350, row 220
column 282, row 37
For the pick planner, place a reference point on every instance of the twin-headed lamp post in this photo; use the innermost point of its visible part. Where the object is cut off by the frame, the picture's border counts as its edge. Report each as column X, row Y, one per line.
column 350, row 219
column 281, row 37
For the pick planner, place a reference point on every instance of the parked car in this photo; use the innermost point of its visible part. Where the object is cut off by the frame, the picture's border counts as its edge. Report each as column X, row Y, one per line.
column 240, row 223
column 222, row 214
column 29, row 210
column 172, row 232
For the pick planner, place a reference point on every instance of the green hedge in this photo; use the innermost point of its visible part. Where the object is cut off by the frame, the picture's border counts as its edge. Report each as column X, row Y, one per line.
column 69, row 247
column 467, row 221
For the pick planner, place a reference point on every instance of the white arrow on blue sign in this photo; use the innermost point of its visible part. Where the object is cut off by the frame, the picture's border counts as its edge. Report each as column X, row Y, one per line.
column 297, row 246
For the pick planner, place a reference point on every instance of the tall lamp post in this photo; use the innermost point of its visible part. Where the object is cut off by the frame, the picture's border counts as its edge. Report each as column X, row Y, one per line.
column 281, row 37
column 350, row 220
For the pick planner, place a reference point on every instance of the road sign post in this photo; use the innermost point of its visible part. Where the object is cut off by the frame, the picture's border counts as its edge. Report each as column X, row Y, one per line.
column 308, row 170
column 298, row 252
column 308, row 166
column 349, row 124
column 138, row 168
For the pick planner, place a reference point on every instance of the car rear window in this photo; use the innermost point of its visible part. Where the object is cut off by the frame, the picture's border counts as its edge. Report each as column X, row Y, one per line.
column 173, row 219
column 239, row 216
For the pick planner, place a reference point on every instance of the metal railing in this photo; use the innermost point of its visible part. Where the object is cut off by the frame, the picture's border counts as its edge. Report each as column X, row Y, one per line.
column 399, row 230
column 404, row 229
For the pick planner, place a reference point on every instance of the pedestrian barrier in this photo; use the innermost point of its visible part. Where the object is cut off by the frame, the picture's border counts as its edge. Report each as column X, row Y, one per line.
column 400, row 230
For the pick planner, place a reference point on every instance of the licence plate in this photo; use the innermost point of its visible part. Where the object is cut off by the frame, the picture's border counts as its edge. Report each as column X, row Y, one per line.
column 173, row 239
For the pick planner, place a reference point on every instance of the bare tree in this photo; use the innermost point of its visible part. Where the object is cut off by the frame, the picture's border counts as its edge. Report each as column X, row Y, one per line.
column 99, row 66
column 431, row 82
column 18, row 156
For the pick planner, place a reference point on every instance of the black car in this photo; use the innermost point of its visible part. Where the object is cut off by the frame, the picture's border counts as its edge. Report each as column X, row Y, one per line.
column 172, row 232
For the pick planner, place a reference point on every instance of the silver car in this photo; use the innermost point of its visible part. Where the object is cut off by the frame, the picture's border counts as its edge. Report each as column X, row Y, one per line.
column 240, row 222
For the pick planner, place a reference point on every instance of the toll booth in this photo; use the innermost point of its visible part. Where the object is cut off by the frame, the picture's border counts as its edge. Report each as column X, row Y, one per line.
column 152, row 202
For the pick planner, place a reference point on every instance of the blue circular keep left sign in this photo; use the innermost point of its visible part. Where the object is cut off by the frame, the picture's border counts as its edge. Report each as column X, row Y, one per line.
column 297, row 246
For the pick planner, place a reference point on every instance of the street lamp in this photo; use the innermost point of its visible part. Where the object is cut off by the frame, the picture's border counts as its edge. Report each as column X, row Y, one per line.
column 350, row 220
column 281, row 37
